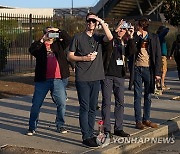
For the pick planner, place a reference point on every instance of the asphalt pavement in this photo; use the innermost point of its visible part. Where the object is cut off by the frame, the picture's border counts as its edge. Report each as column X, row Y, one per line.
column 166, row 148
column 14, row 116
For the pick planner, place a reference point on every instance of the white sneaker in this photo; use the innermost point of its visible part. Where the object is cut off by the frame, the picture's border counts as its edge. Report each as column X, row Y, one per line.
column 165, row 88
column 176, row 98
column 62, row 130
column 30, row 132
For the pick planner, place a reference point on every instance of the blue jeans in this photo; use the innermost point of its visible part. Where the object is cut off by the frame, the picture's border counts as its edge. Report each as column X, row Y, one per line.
column 142, row 74
column 57, row 90
column 65, row 82
column 88, row 92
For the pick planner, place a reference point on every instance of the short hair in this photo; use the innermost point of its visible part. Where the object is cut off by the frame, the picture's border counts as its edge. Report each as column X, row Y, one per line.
column 90, row 13
column 160, row 29
column 143, row 23
column 117, row 23
column 45, row 30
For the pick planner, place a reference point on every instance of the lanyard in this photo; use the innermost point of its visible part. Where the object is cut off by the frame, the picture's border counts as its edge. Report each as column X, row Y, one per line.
column 119, row 48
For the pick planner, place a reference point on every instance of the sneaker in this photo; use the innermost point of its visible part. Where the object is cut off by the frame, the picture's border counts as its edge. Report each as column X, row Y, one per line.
column 150, row 124
column 176, row 98
column 30, row 132
column 165, row 87
column 158, row 92
column 121, row 133
column 90, row 142
column 62, row 130
column 110, row 134
column 139, row 125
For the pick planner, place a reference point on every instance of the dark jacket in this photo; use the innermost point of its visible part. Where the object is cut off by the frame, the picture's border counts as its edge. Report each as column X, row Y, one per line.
column 154, row 51
column 176, row 50
column 38, row 50
column 161, row 35
column 108, row 50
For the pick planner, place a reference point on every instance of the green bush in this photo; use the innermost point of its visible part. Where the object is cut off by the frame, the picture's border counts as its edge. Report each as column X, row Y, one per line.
column 3, row 53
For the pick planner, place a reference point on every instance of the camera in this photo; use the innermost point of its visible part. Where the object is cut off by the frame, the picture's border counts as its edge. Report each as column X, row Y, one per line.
column 53, row 35
column 126, row 25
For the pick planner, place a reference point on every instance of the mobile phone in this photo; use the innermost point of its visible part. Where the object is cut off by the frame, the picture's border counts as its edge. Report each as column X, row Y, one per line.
column 95, row 52
column 53, row 35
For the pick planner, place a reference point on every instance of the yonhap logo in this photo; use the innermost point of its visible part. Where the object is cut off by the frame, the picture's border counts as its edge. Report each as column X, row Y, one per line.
column 155, row 140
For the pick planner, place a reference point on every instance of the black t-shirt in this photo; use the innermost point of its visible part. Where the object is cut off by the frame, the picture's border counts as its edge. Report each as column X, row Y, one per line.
column 82, row 44
column 114, row 69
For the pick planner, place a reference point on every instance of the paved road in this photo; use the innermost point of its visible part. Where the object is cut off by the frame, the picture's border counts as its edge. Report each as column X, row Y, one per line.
column 14, row 116
column 170, row 148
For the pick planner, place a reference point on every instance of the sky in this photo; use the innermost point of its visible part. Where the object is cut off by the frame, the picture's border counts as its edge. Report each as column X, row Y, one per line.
column 48, row 3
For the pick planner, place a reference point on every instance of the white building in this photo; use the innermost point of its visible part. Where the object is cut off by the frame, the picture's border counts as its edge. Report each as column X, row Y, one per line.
column 21, row 11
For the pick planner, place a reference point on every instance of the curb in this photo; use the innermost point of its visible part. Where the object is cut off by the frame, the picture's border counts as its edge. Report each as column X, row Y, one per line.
column 13, row 149
column 164, row 129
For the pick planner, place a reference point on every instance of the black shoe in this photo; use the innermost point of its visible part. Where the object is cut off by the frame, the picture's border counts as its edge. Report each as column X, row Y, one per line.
column 90, row 142
column 62, row 130
column 97, row 107
column 121, row 133
column 110, row 134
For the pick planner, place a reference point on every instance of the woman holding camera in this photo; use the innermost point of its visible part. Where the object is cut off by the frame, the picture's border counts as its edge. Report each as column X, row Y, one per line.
column 51, row 68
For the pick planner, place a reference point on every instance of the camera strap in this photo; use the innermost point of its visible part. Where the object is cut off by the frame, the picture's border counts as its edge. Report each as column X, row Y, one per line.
column 119, row 50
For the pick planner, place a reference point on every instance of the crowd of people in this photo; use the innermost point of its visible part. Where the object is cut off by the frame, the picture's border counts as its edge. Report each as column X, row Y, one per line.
column 99, row 62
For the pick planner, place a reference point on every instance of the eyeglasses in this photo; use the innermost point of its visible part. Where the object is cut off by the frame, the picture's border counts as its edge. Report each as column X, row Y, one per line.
column 122, row 28
column 91, row 20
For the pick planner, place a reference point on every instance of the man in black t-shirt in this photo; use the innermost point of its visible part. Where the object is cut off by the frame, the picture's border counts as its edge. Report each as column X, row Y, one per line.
column 86, row 50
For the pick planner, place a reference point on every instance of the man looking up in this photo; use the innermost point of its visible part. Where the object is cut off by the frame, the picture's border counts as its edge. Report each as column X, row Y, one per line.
column 86, row 50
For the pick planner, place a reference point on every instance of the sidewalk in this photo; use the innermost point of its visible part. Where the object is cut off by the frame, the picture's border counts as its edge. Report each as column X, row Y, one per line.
column 14, row 116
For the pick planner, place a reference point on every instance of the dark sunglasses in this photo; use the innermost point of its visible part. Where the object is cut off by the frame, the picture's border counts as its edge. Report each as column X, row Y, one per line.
column 123, row 28
column 91, row 20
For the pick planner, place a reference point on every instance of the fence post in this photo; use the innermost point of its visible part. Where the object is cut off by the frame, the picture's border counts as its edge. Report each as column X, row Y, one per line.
column 30, row 34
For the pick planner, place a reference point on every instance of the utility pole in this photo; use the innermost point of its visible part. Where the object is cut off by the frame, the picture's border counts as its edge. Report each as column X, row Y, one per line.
column 72, row 7
column 103, row 9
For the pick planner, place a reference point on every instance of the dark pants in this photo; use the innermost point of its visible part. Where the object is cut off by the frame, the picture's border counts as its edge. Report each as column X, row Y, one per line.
column 178, row 66
column 142, row 74
column 117, row 85
column 131, row 67
column 88, row 92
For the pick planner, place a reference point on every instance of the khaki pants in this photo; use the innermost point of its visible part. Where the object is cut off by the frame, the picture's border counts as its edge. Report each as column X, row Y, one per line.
column 164, row 68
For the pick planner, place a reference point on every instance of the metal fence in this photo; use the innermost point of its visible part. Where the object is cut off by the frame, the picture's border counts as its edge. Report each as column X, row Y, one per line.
column 17, row 32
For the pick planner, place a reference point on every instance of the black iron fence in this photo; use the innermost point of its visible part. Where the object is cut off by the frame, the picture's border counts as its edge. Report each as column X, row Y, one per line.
column 17, row 32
